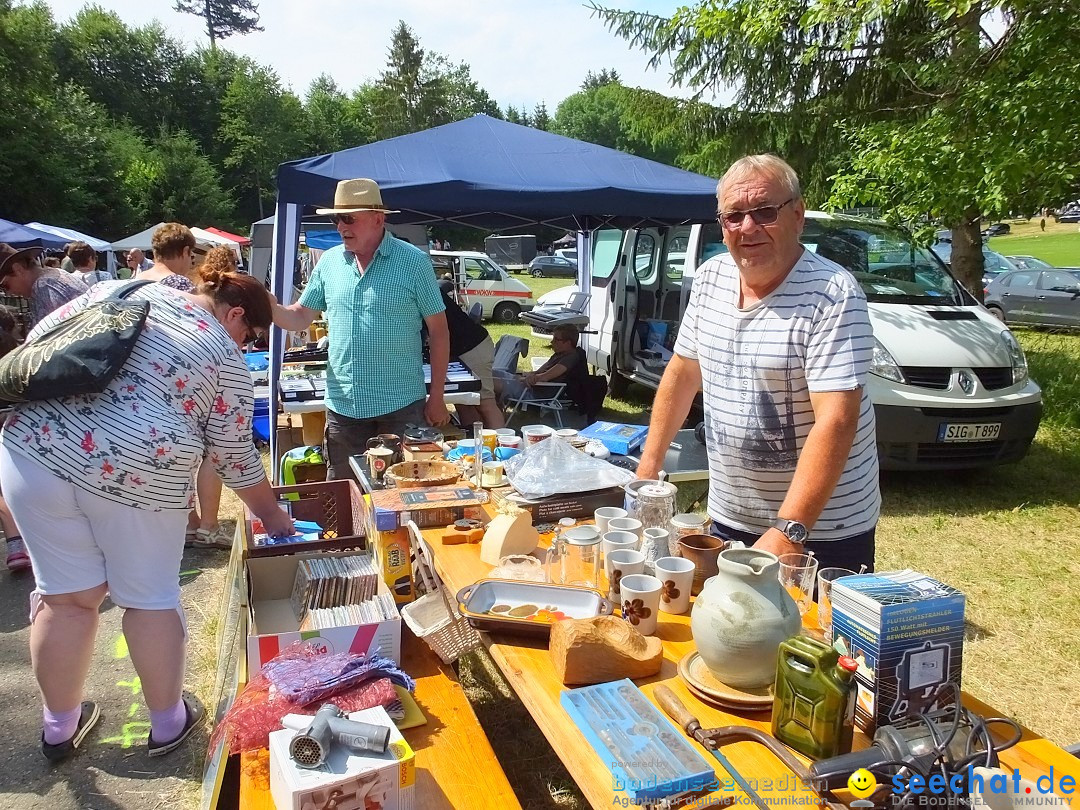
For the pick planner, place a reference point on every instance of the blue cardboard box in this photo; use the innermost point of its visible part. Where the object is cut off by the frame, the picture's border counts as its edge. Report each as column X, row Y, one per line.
column 618, row 438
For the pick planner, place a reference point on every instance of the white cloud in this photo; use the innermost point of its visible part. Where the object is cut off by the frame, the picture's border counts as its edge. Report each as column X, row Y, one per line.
column 520, row 51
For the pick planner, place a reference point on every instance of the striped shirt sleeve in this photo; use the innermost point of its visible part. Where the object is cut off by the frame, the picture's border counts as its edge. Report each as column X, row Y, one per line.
column 840, row 346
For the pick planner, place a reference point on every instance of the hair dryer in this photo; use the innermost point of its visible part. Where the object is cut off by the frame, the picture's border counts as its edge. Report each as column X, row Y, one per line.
column 310, row 748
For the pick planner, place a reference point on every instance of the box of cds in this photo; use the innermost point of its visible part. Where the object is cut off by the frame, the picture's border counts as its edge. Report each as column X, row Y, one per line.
column 338, row 601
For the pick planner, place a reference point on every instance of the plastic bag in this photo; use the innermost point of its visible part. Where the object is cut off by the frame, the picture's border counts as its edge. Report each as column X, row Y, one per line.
column 553, row 466
column 258, row 709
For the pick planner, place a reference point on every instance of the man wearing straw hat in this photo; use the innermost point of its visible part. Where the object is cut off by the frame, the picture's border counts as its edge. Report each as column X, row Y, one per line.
column 376, row 291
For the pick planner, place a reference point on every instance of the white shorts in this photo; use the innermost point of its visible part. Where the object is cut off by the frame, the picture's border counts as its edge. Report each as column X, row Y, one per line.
column 78, row 540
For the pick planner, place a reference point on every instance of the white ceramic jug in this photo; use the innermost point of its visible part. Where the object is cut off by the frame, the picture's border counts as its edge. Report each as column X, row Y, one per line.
column 741, row 616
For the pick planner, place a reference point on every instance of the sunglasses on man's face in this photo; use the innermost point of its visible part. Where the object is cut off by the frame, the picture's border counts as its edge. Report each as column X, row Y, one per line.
column 346, row 219
column 765, row 215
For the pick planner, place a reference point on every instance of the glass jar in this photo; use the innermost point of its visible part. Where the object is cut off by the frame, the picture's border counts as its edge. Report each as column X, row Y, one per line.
column 654, row 507
column 574, row 557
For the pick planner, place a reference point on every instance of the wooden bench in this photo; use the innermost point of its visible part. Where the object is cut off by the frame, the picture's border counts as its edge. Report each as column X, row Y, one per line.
column 455, row 764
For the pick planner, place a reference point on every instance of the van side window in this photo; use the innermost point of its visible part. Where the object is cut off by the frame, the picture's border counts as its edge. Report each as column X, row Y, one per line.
column 605, row 253
column 712, row 242
column 644, row 248
column 675, row 254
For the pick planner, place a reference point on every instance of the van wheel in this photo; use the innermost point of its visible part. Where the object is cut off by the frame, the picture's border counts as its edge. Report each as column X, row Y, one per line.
column 506, row 312
column 997, row 313
column 618, row 385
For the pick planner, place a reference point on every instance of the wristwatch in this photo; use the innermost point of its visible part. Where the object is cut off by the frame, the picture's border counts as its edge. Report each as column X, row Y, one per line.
column 794, row 531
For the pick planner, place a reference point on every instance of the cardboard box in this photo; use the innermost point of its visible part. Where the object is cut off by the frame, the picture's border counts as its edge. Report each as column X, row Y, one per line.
column 618, row 438
column 575, row 504
column 393, row 556
column 906, row 632
column 425, row 506
column 272, row 624
column 346, row 781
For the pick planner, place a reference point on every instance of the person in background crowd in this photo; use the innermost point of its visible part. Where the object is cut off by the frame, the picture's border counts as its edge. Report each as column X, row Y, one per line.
column 174, row 257
column 52, row 261
column 101, row 494
column 85, row 259
column 471, row 344
column 46, row 288
column 376, row 291
column 136, row 261
column 67, row 264
column 778, row 341
column 204, row 530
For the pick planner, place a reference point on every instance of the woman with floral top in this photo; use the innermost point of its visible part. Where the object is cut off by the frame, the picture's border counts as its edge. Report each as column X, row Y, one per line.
column 174, row 257
column 100, row 487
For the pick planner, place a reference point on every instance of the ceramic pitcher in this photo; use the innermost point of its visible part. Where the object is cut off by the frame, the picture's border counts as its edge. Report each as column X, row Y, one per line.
column 741, row 617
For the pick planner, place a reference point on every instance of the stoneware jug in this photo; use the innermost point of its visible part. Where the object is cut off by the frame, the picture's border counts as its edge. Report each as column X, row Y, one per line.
column 741, row 616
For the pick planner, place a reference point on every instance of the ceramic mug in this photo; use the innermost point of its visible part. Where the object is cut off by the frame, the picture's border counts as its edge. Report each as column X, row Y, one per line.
column 613, row 540
column 626, row 524
column 535, row 433
column 379, row 458
column 511, row 441
column 677, row 576
column 492, row 474
column 605, row 513
column 640, row 595
column 490, row 439
column 623, row 562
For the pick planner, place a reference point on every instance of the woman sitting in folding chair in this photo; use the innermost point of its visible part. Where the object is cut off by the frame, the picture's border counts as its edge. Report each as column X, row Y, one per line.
column 519, row 389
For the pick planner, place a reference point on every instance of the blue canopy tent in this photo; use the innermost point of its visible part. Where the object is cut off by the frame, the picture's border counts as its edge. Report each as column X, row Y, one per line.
column 494, row 175
column 72, row 235
column 20, row 236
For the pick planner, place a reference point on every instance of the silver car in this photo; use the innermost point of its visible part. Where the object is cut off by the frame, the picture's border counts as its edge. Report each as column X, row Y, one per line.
column 1036, row 298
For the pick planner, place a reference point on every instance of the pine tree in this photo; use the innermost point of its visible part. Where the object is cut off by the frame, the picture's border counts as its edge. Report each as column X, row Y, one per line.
column 223, row 17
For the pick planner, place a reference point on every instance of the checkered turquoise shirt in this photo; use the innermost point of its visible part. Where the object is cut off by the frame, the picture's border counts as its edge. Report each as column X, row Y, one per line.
column 374, row 320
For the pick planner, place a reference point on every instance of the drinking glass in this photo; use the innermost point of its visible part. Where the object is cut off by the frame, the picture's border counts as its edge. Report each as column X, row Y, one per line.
column 825, row 579
column 797, row 572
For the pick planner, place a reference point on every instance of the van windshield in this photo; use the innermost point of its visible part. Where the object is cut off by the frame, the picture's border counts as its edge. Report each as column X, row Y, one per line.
column 890, row 269
column 883, row 260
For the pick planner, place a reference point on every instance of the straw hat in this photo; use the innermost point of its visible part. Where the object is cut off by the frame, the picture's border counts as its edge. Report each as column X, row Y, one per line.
column 8, row 254
column 360, row 194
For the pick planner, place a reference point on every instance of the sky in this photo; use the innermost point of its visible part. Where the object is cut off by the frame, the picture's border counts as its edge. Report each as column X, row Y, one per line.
column 521, row 52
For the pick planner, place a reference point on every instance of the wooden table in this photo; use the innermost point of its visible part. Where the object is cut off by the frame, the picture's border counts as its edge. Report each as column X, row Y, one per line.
column 527, row 666
column 455, row 765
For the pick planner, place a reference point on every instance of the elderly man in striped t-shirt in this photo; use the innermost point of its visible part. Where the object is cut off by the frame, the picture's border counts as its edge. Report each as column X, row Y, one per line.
column 778, row 340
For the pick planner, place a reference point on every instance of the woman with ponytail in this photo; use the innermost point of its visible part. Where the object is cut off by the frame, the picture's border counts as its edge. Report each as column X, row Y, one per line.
column 100, row 487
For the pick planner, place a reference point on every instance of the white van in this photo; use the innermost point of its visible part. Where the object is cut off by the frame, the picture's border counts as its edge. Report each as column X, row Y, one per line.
column 949, row 383
column 477, row 279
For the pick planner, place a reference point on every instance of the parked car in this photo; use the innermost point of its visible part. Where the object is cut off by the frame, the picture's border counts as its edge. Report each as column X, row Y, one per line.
column 1036, row 298
column 1029, row 263
column 997, row 229
column 567, row 253
column 551, row 266
column 994, row 264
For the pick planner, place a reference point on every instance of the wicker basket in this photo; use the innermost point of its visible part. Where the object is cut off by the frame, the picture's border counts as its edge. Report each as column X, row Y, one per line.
column 412, row 474
column 434, row 617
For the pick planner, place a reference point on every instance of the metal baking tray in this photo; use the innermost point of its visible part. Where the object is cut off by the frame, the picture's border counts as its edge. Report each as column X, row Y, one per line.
column 513, row 606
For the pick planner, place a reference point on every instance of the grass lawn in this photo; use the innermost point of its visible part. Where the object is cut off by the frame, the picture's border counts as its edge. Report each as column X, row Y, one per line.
column 1059, row 245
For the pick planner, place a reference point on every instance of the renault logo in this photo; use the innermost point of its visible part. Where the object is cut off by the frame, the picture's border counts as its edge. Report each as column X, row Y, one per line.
column 967, row 381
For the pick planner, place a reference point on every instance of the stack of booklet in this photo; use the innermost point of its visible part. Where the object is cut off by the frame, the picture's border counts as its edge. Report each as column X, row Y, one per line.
column 381, row 608
column 906, row 632
column 327, row 584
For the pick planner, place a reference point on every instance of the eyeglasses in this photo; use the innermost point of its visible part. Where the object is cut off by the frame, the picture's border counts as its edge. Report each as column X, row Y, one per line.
column 765, row 215
column 347, row 219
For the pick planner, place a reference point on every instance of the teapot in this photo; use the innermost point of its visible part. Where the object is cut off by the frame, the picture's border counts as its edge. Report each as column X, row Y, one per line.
column 741, row 617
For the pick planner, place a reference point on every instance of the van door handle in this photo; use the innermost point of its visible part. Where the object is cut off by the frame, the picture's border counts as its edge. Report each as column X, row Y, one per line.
column 1041, row 297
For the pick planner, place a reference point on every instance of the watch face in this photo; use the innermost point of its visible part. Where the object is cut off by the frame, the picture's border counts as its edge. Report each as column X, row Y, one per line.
column 797, row 532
